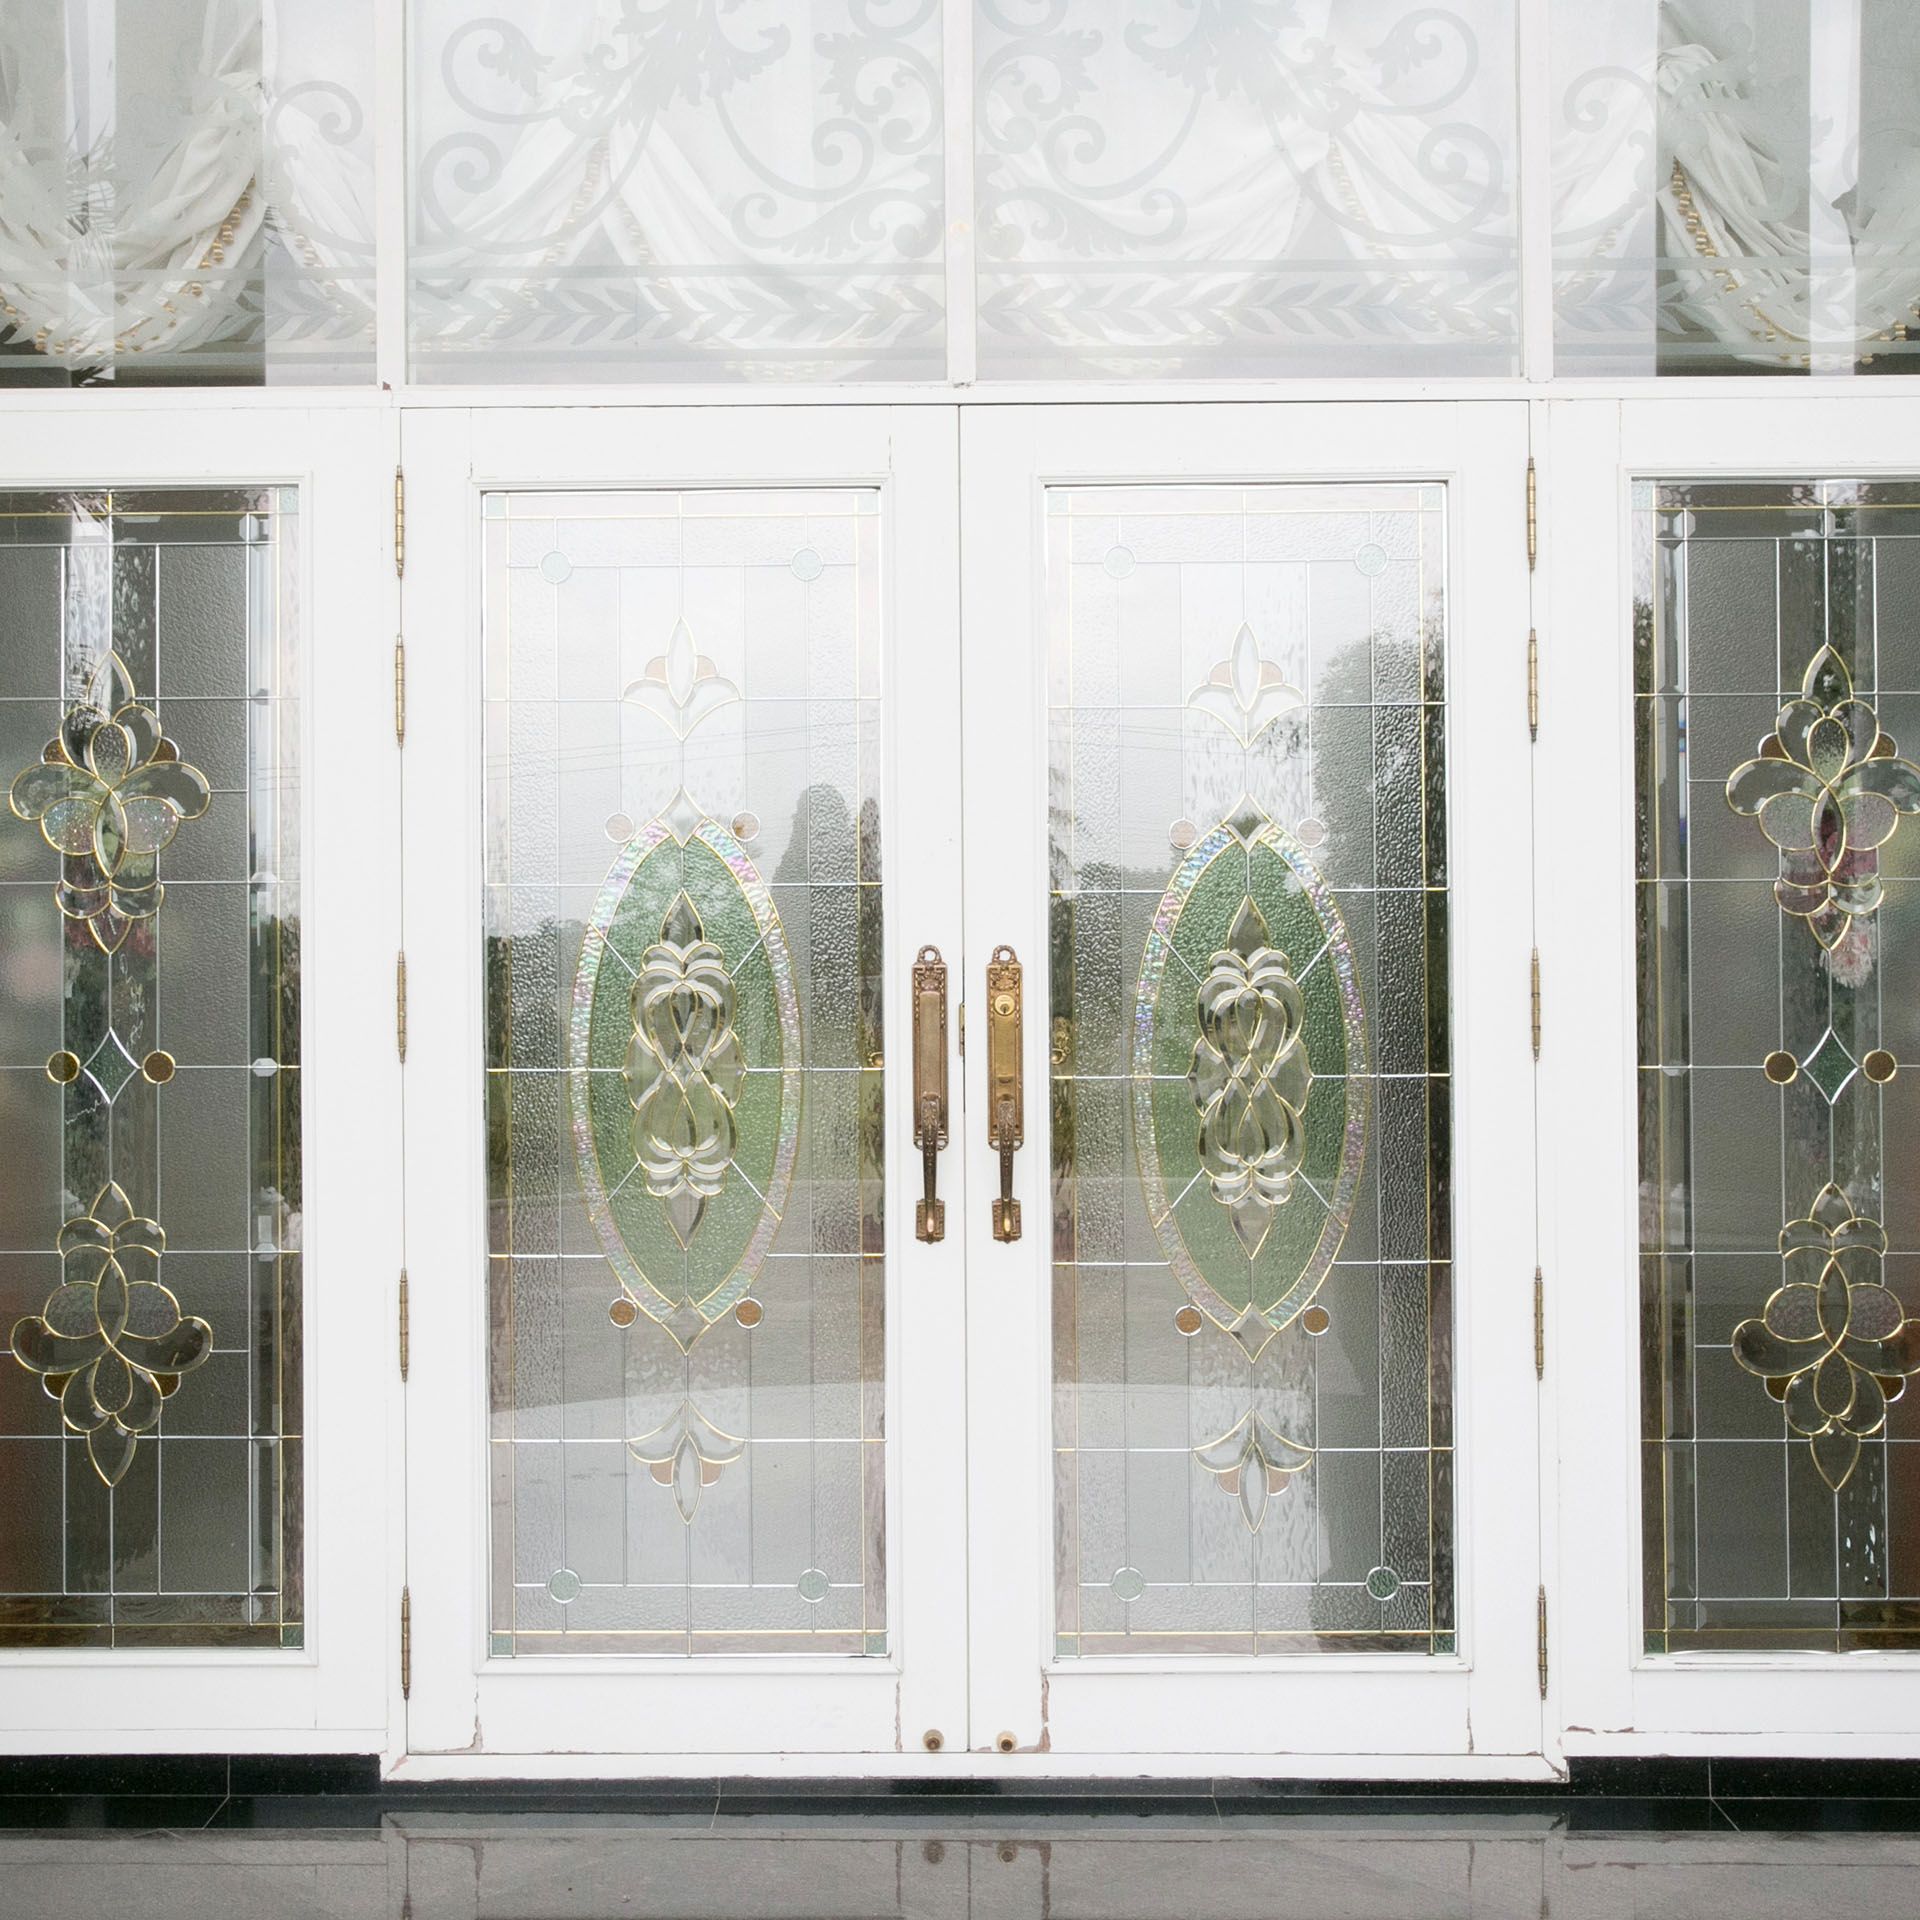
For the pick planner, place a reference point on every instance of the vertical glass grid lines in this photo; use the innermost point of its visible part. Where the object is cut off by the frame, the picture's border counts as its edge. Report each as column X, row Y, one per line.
column 1252, row 1299
column 1780, row 1238
column 150, row 1222
column 685, row 1072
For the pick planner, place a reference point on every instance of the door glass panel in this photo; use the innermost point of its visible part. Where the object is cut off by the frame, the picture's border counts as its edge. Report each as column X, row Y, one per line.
column 1778, row 700
column 1252, row 1281
column 602, row 189
column 150, row 1416
column 188, row 192
column 1734, row 186
column 1245, row 189
column 684, row 1072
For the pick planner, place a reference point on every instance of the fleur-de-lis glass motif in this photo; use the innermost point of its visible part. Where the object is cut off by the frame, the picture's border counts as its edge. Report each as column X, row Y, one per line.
column 684, row 1068
column 109, row 793
column 1253, row 1460
column 687, row 1453
column 681, row 686
column 1245, row 692
column 1828, row 789
column 1250, row 1077
column 1833, row 1344
column 111, row 1344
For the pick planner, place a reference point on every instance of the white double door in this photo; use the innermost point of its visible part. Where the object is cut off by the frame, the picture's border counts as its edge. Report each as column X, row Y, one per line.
column 1191, row 741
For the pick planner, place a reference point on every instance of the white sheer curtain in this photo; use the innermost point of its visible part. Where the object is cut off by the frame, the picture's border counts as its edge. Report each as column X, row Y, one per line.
column 151, row 159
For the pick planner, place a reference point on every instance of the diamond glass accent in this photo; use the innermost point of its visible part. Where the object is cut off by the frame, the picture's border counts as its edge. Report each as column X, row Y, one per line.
column 1777, row 689
column 684, row 1071
column 150, row 1220
column 1250, row 1069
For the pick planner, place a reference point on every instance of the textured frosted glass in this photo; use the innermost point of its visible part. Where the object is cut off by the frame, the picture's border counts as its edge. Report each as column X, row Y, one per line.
column 676, row 192
column 684, row 1053
column 150, row 1414
column 186, row 192
column 1246, row 188
column 1734, row 186
column 1248, row 997
column 1778, row 687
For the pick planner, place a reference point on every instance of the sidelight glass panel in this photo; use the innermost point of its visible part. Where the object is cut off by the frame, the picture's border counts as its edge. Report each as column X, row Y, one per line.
column 186, row 192
column 1777, row 689
column 1240, row 190
column 684, row 1072
column 1252, row 1301
column 150, row 1412
column 676, row 192
column 1734, row 186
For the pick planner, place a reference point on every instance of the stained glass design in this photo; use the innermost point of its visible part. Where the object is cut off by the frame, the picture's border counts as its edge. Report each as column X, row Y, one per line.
column 1776, row 699
column 685, row 191
column 189, row 192
column 1251, row 1227
column 685, row 1072
column 150, row 1432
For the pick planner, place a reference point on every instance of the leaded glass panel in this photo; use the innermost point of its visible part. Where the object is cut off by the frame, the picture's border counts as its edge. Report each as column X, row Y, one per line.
column 1777, row 687
column 1251, row 1234
column 676, row 192
column 150, row 1413
column 685, row 1071
column 186, row 192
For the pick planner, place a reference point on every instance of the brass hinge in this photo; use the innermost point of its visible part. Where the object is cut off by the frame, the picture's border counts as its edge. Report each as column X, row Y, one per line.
column 1543, row 1643
column 1539, row 1327
column 1533, row 515
column 1535, row 997
column 399, row 523
column 406, row 1643
column 400, row 1006
column 1533, row 683
column 405, row 1330
column 399, row 691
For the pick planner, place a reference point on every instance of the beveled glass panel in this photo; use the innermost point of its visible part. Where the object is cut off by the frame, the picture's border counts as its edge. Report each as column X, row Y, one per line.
column 150, row 1412
column 1250, row 1059
column 186, row 192
column 602, row 189
column 1777, row 687
column 684, row 1072
column 1734, row 186
column 1168, row 189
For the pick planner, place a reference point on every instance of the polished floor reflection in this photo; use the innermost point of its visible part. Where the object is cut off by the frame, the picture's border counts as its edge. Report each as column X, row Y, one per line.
column 1511, row 1864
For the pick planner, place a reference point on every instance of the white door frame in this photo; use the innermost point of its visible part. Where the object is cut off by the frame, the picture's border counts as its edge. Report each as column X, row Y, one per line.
column 339, row 1691
column 1380, row 1714
column 1611, row 1696
column 464, row 1702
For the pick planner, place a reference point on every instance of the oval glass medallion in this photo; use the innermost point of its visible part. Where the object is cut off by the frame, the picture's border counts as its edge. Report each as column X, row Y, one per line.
column 684, row 1073
column 1249, row 1076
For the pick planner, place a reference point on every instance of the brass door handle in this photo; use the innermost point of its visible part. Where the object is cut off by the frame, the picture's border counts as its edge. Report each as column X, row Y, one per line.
column 930, row 1086
column 1006, row 1114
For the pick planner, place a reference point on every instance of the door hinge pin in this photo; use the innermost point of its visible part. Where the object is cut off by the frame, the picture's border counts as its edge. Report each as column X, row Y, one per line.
column 406, row 1346
column 1533, row 683
column 960, row 1028
column 399, row 523
column 1539, row 1326
column 400, row 1006
column 1533, row 515
column 399, row 691
column 1534, row 995
column 406, row 1643
column 1543, row 1643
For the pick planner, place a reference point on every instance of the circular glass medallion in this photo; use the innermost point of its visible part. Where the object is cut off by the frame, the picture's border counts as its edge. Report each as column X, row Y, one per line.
column 1371, row 560
column 1129, row 1583
column 63, row 1067
column 556, row 567
column 564, row 1586
column 813, row 1585
column 748, row 1313
column 1189, row 1320
column 1383, row 1583
column 623, row 1313
column 1119, row 562
column 1316, row 1319
column 806, row 565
